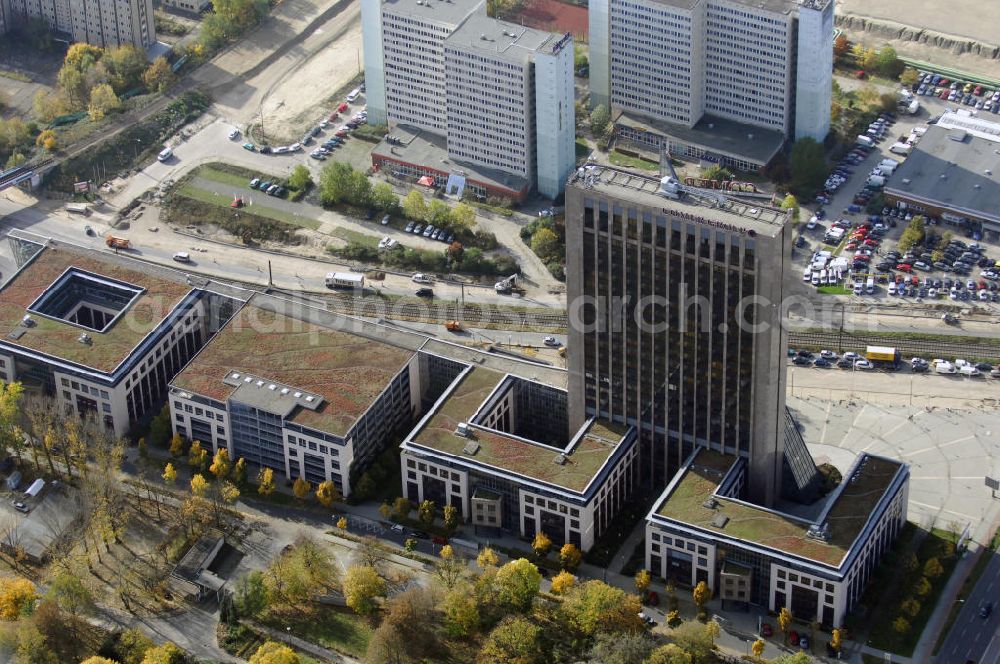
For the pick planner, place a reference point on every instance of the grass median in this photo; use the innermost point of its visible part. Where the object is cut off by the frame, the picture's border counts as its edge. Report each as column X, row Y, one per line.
column 198, row 194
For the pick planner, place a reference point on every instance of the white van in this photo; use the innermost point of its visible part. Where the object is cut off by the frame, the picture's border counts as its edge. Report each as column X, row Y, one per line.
column 945, row 368
column 165, row 153
column 858, row 288
column 182, row 257
column 968, row 370
column 892, row 288
column 870, row 286
column 353, row 95
column 824, row 277
column 815, row 279
column 807, row 273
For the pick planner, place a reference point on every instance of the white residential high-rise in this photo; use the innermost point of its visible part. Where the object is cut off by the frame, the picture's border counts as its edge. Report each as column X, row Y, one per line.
column 104, row 23
column 371, row 35
column 813, row 89
column 555, row 116
column 765, row 65
column 498, row 95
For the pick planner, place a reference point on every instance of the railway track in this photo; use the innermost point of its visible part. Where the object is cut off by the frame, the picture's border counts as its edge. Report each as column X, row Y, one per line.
column 971, row 348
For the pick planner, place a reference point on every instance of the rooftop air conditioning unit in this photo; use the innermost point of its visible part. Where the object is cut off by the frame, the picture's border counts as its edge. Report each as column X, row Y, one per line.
column 84, row 338
column 462, row 429
column 28, row 321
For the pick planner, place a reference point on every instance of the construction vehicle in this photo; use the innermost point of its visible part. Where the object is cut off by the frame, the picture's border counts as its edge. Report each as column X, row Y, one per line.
column 116, row 242
column 453, row 326
column 508, row 285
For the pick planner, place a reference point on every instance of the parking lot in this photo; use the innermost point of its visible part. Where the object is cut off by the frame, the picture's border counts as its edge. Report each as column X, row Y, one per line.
column 845, row 250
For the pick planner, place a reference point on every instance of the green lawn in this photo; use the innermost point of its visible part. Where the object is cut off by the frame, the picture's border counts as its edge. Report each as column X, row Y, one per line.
column 215, row 175
column 336, row 628
column 619, row 159
column 834, row 289
column 353, row 236
column 199, row 194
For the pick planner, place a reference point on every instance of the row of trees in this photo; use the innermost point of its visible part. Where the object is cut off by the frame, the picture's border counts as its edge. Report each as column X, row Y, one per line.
column 92, row 79
column 912, row 235
column 884, row 61
column 229, row 20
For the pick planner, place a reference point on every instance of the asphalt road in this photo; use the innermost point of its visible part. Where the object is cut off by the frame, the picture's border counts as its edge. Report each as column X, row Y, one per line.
column 974, row 639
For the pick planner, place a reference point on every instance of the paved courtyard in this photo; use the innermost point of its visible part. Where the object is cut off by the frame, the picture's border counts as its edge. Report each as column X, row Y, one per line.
column 950, row 451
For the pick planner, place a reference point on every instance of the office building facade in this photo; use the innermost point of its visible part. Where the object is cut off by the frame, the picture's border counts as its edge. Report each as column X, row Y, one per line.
column 678, row 62
column 104, row 23
column 492, row 90
column 702, row 529
column 674, row 308
column 101, row 336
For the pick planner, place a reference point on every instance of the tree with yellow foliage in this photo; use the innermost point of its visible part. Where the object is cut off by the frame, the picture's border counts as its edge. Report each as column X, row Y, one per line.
column 327, row 494
column 487, row 558
column 199, row 485
column 168, row 653
column 642, row 580
column 342, row 523
column 301, row 488
column 220, row 463
column 169, row 474
column 16, row 594
column 570, row 557
column 541, row 544
column 265, row 482
column 103, row 100
column 98, row 660
column 197, row 456
column 562, row 583
column 176, row 445
column 274, row 653
column 757, row 648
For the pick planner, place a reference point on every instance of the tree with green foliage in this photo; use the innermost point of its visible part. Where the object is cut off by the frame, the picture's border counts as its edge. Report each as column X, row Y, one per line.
column 362, row 585
column 438, row 212
column 197, row 456
column 515, row 640
column 634, row 648
column 70, row 594
column 599, row 119
column 887, row 62
column 300, row 573
column 461, row 611
column 696, row 640
column 789, row 202
column 340, row 183
column 125, row 65
column 909, row 77
column 250, row 597
column 517, row 584
column 545, row 243
column 717, row 173
column 300, row 179
column 160, row 429
column 103, row 101
column 239, row 475
column 594, row 606
column 414, row 206
column 384, row 198
column 808, row 168
column 795, row 658
column 159, row 76
column 462, row 217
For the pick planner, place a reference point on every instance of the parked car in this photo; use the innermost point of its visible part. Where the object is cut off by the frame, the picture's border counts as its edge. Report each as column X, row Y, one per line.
column 425, row 292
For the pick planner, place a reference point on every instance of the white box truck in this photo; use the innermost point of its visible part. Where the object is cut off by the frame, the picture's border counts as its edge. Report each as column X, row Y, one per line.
column 901, row 148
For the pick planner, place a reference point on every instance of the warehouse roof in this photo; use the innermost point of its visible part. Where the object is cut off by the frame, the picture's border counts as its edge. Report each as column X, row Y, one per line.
column 952, row 168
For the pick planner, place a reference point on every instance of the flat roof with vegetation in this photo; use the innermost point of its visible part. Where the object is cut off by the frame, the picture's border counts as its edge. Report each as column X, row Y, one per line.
column 510, row 453
column 60, row 339
column 347, row 370
column 846, row 517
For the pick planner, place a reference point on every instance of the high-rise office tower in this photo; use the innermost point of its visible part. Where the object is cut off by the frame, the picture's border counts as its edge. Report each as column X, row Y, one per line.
column 675, row 307
column 104, row 23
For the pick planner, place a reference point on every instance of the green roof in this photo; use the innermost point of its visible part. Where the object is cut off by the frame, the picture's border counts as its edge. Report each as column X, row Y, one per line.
column 58, row 338
column 846, row 517
column 510, row 453
column 348, row 371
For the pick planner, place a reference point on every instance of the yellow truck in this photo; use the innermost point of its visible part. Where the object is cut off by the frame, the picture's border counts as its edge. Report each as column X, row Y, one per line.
column 882, row 354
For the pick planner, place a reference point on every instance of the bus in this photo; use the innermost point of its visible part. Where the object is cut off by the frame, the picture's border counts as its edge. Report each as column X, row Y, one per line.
column 344, row 280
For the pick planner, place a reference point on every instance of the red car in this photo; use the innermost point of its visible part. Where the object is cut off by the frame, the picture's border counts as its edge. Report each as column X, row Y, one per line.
column 851, row 246
column 978, row 91
column 341, row 134
column 765, row 629
column 915, row 280
column 944, row 94
column 343, row 107
column 863, row 258
column 904, row 267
